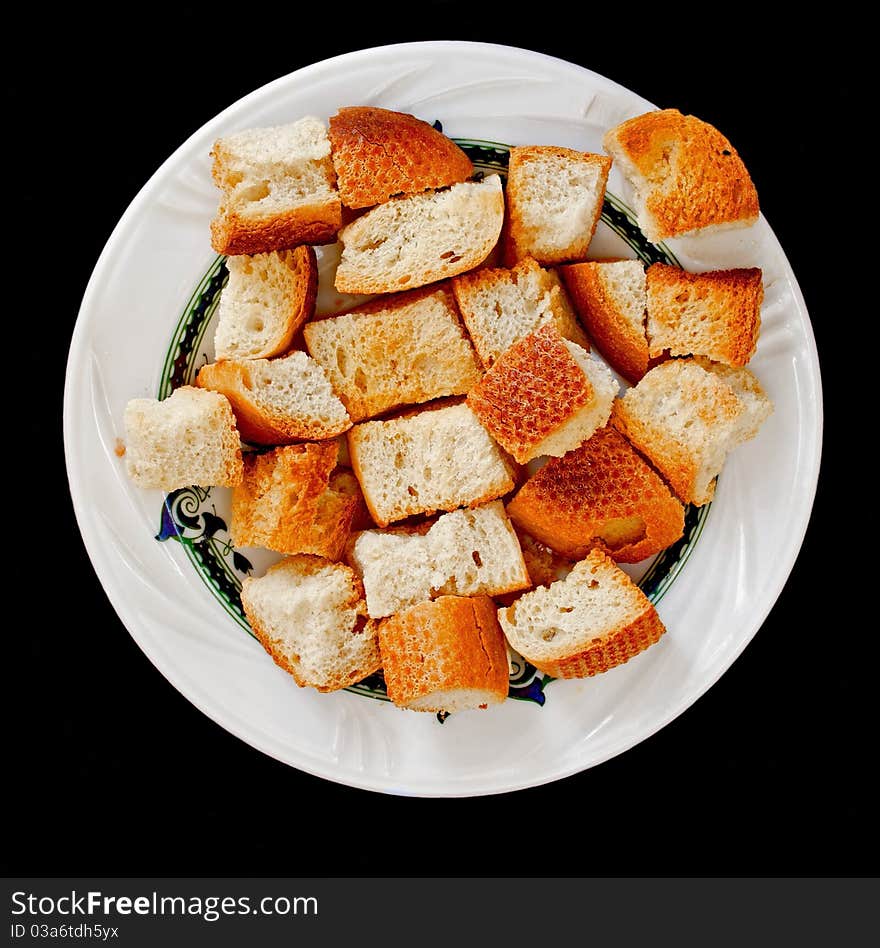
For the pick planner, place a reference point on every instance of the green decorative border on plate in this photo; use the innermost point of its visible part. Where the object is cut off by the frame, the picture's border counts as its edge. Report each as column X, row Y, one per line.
column 189, row 516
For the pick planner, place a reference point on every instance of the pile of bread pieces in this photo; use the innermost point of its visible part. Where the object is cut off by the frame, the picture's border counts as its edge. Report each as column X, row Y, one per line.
column 447, row 468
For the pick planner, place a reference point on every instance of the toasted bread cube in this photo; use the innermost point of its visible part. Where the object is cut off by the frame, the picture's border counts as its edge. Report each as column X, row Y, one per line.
column 436, row 459
column 277, row 401
column 685, row 175
column 554, row 202
column 716, row 314
column 378, row 153
column 500, row 307
column 421, row 238
column 601, row 494
column 583, row 625
column 446, row 655
column 686, row 415
column 309, row 615
column 466, row 552
column 268, row 297
column 544, row 396
column 286, row 502
column 398, row 350
column 611, row 299
column 188, row 438
column 279, row 189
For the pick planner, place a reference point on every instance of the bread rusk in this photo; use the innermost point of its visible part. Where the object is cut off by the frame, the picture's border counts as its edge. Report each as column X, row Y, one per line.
column 610, row 299
column 278, row 401
column 286, row 502
column 591, row 621
column 434, row 459
column 686, row 415
column 378, row 153
column 309, row 614
column 501, row 306
column 279, row 189
column 544, row 396
column 397, row 350
column 422, row 238
column 446, row 655
column 188, row 438
column 685, row 175
column 465, row 552
column 554, row 202
column 601, row 494
column 266, row 300
column 716, row 314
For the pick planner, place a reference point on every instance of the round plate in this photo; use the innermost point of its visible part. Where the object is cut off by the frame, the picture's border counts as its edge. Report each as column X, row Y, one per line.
column 137, row 318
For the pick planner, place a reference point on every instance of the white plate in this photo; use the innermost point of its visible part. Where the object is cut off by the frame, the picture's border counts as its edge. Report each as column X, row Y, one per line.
column 146, row 279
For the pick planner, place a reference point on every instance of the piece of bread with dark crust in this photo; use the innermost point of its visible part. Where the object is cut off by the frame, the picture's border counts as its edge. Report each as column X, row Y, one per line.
column 378, row 153
column 448, row 654
column 501, row 306
column 583, row 625
column 554, row 202
column 716, row 314
column 288, row 502
column 610, row 299
column 401, row 349
column 685, row 175
column 601, row 494
column 686, row 415
column 410, row 241
column 268, row 297
column 279, row 189
column 434, row 459
column 278, row 401
column 309, row 615
column 544, row 396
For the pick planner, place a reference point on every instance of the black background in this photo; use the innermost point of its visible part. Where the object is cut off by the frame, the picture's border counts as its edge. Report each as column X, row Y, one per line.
column 111, row 772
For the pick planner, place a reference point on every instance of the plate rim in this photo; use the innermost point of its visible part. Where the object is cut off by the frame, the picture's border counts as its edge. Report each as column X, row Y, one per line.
column 364, row 779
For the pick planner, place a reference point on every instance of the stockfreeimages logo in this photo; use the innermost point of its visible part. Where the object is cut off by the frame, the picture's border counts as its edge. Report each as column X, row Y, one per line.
column 209, row 908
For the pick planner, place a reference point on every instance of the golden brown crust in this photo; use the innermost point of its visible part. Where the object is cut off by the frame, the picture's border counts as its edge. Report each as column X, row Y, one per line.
column 608, row 651
column 601, row 494
column 450, row 643
column 694, row 176
column 716, row 314
column 624, row 349
column 285, row 502
column 231, row 233
column 258, row 425
column 378, row 153
column 530, row 392
column 519, row 239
